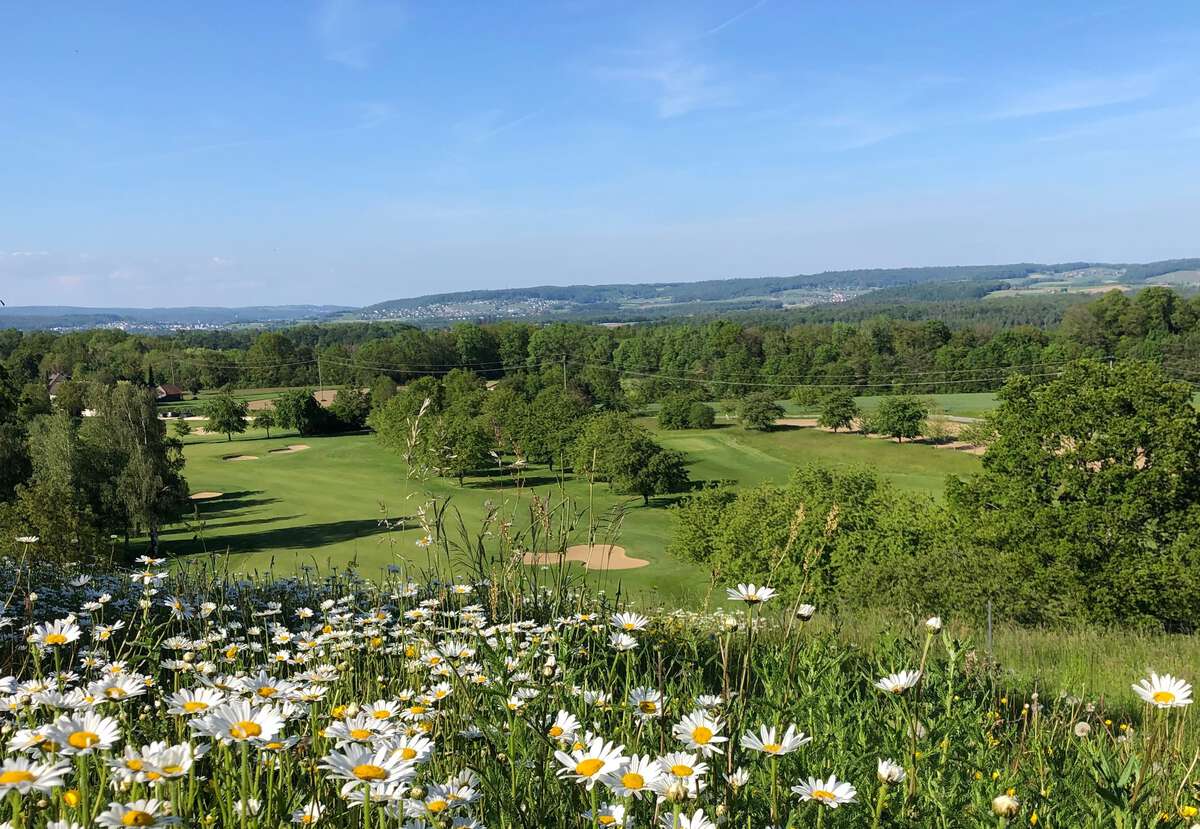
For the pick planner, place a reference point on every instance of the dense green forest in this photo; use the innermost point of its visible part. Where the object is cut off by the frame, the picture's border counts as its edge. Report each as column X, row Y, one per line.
column 719, row 358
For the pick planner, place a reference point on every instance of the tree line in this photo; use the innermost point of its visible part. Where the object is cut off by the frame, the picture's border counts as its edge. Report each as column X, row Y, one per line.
column 723, row 358
column 80, row 487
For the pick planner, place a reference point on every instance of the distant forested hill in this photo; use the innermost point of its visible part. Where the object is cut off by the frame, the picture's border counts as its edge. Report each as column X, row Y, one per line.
column 860, row 289
column 65, row 317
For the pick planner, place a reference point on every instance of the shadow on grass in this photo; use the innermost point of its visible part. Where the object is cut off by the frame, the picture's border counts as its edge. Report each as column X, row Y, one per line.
column 222, row 508
column 303, row 537
column 250, row 522
column 506, row 481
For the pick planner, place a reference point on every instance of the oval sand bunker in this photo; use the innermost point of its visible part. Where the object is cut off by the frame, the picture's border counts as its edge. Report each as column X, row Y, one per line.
column 290, row 448
column 240, row 457
column 205, row 496
column 592, row 556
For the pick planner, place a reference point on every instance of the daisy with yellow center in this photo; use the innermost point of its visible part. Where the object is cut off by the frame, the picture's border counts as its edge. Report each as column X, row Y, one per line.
column 84, row 734
column 829, row 792
column 768, row 741
column 361, row 764
column 140, row 813
column 564, row 727
column 1164, row 691
column 239, row 721
column 700, row 732
column 24, row 776
column 193, row 701
column 57, row 634
column 898, row 683
column 637, row 777
column 590, row 763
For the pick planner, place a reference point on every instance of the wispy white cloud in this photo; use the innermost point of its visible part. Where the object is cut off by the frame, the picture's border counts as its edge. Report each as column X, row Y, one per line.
column 1173, row 122
column 729, row 21
column 487, row 124
column 676, row 82
column 1077, row 94
column 856, row 131
column 350, row 32
column 364, row 115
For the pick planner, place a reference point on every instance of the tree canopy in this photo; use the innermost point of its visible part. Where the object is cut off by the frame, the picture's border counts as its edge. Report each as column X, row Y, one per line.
column 838, row 411
column 1088, row 504
column 899, row 416
column 226, row 415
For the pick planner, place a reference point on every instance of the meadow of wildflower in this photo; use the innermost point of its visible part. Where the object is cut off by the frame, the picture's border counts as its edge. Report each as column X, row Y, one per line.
column 504, row 696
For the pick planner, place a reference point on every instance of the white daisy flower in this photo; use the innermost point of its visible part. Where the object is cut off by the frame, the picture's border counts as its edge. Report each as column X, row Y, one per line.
column 629, row 622
column 700, row 732
column 749, row 593
column 830, row 792
column 84, row 733
column 767, row 740
column 696, row 820
column 898, row 683
column 57, row 633
column 239, row 721
column 890, row 772
column 564, row 727
column 23, row 776
column 309, row 814
column 1164, row 691
column 360, row 764
column 192, row 701
column 590, row 763
column 637, row 777
column 141, row 813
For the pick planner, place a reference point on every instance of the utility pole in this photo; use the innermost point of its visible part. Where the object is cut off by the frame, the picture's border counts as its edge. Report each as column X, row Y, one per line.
column 564, row 365
column 320, row 376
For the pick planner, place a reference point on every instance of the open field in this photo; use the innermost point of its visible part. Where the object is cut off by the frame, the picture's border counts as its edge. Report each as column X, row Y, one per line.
column 322, row 506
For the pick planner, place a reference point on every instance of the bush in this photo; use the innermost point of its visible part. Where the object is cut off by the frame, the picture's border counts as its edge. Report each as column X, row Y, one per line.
column 701, row 416
column 857, row 541
column 349, row 410
column 807, row 397
column 685, row 411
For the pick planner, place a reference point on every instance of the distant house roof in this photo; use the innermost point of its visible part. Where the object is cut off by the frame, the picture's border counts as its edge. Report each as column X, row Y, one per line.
column 56, row 380
column 169, row 390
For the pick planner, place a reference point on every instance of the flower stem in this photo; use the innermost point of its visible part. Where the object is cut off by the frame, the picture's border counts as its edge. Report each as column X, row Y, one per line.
column 880, row 802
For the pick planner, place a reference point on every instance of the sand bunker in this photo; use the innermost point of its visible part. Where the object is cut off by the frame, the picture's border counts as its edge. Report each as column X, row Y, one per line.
column 592, row 556
column 205, row 496
column 240, row 457
column 290, row 448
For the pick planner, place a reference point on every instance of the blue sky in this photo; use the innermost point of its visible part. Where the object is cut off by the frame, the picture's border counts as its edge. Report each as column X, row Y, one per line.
column 347, row 151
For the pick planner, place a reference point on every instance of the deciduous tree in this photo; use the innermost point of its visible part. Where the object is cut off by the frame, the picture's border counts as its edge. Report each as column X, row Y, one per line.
column 226, row 415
